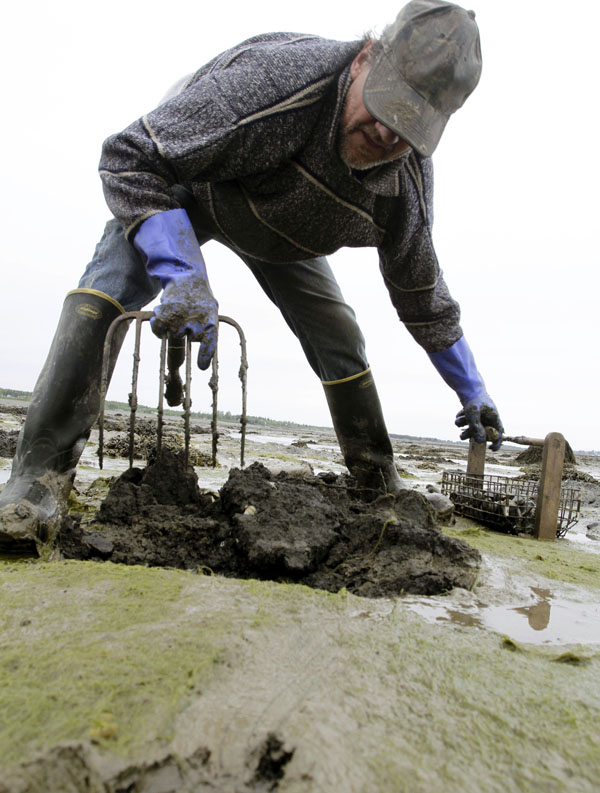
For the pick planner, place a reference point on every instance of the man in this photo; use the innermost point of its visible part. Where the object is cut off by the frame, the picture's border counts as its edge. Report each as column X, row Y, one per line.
column 285, row 149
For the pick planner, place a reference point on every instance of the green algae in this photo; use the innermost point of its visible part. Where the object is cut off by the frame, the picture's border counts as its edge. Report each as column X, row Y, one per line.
column 87, row 502
column 557, row 560
column 474, row 717
column 285, row 458
column 118, row 655
column 440, row 707
column 94, row 651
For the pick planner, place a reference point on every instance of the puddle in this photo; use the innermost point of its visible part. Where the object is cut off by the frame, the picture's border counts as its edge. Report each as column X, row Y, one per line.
column 285, row 440
column 578, row 535
column 545, row 620
column 282, row 440
column 211, row 478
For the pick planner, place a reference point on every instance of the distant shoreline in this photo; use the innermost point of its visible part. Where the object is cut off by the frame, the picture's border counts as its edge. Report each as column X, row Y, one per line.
column 8, row 395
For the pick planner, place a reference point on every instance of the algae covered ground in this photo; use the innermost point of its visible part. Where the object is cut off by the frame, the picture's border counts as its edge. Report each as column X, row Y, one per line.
column 132, row 678
column 150, row 679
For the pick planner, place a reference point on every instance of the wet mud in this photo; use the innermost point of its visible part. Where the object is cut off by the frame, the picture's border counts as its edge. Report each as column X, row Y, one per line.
column 533, row 455
column 314, row 530
column 8, row 443
column 144, row 440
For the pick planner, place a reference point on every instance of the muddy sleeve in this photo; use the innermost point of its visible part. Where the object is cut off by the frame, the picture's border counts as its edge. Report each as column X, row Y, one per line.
column 410, row 267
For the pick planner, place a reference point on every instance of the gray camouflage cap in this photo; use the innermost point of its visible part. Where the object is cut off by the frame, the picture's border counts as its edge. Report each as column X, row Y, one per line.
column 429, row 64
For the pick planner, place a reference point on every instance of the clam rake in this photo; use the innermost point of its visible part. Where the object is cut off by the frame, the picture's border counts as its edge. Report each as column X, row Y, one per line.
column 173, row 353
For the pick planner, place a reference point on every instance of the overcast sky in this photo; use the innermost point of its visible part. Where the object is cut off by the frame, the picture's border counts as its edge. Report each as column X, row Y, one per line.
column 515, row 206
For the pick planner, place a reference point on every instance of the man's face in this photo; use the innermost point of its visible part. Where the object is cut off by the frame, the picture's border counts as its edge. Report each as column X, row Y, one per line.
column 365, row 142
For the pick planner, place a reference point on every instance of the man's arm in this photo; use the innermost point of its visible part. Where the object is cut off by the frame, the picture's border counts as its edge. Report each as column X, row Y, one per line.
column 233, row 119
column 421, row 297
column 409, row 264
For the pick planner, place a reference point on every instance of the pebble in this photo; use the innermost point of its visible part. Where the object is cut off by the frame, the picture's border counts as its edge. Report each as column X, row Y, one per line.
column 98, row 543
column 593, row 531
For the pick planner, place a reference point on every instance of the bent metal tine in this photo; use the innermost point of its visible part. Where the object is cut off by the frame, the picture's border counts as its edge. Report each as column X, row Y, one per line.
column 187, row 402
column 134, row 382
column 213, row 384
column 142, row 316
column 161, row 392
column 125, row 317
column 243, row 375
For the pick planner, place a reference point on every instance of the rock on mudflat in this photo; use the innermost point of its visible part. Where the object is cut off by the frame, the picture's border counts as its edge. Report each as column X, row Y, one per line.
column 303, row 529
column 593, row 531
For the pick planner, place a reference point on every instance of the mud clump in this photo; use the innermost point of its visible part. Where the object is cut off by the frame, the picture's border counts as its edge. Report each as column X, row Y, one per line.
column 8, row 443
column 533, row 455
column 313, row 530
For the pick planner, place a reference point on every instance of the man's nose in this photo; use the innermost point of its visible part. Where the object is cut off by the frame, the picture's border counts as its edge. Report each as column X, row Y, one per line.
column 387, row 136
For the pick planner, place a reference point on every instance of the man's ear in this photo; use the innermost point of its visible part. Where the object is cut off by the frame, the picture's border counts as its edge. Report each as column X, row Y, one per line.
column 361, row 59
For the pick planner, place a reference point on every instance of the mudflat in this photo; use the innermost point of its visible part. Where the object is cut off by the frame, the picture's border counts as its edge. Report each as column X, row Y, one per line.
column 266, row 628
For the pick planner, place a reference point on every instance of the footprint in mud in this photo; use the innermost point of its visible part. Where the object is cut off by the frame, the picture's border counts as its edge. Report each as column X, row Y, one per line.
column 313, row 530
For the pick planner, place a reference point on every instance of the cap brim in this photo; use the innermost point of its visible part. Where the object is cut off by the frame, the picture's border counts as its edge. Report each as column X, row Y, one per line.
column 391, row 101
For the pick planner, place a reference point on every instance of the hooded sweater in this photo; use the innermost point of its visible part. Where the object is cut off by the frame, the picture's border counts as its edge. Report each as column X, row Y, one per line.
column 253, row 137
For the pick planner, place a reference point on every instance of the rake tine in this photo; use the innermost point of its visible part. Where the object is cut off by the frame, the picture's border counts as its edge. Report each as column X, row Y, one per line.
column 244, row 379
column 213, row 384
column 142, row 316
column 161, row 390
column 125, row 317
column 134, row 383
column 187, row 402
column 103, row 389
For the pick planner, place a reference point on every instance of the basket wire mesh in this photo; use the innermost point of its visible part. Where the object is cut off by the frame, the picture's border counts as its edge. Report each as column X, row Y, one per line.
column 506, row 503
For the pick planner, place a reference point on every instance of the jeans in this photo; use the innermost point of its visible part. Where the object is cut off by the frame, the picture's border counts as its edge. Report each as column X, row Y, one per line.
column 306, row 293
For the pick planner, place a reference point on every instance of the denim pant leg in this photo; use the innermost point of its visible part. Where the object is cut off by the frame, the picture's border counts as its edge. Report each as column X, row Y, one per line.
column 118, row 270
column 312, row 304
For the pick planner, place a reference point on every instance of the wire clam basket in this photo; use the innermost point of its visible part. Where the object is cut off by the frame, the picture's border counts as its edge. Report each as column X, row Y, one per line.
column 505, row 503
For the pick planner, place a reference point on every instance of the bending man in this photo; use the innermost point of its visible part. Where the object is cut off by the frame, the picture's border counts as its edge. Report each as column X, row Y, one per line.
column 284, row 149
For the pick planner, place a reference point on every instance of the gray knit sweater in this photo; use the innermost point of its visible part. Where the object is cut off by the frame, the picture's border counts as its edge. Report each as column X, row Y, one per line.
column 253, row 136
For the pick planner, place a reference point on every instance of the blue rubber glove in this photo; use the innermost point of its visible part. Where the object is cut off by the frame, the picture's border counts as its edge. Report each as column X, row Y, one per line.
column 457, row 366
column 187, row 306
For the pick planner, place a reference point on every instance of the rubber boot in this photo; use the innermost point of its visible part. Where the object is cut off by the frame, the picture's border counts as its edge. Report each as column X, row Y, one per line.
column 63, row 408
column 361, row 432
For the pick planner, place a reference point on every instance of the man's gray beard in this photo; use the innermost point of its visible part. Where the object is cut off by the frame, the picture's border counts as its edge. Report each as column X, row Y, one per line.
column 362, row 167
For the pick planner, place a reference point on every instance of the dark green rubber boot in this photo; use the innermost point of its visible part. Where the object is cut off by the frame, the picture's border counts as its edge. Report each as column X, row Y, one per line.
column 63, row 408
column 361, row 432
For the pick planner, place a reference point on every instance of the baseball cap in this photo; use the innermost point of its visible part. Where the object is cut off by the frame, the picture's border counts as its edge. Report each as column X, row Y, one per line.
column 429, row 63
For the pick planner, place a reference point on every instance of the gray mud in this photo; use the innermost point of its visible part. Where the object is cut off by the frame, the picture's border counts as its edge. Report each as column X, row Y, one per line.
column 8, row 443
column 533, row 455
column 313, row 530
column 144, row 441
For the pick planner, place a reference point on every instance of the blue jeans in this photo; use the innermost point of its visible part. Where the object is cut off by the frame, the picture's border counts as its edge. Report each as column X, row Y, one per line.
column 305, row 292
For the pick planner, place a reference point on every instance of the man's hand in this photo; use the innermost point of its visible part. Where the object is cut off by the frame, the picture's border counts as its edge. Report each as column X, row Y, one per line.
column 187, row 306
column 477, row 414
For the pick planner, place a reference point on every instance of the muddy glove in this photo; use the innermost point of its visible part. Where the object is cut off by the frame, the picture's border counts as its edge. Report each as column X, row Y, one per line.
column 187, row 306
column 457, row 367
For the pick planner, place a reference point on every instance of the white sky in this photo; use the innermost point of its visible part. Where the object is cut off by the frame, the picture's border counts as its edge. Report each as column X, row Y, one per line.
column 515, row 206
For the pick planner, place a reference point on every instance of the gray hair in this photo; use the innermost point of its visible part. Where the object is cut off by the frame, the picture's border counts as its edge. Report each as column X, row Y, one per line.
column 376, row 44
